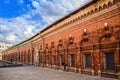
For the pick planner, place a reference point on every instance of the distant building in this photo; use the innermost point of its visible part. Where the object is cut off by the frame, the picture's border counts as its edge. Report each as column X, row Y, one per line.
column 4, row 46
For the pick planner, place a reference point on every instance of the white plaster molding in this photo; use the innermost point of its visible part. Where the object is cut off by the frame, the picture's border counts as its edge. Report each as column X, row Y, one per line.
column 80, row 70
column 99, row 73
column 93, row 72
column 75, row 69
column 98, row 50
column 82, row 20
column 106, row 24
column 118, row 75
column 92, row 51
column 118, row 48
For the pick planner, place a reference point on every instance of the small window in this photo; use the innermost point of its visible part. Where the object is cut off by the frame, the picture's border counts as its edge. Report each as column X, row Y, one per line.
column 53, row 60
column 72, row 57
column 88, row 61
column 61, row 59
column 109, row 61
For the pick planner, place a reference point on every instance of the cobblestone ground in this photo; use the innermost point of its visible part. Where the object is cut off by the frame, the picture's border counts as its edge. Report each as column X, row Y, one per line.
column 37, row 73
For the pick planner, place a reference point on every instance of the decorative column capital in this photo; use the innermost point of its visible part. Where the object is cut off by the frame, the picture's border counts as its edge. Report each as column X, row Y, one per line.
column 98, row 50
column 93, row 72
column 99, row 72
column 92, row 50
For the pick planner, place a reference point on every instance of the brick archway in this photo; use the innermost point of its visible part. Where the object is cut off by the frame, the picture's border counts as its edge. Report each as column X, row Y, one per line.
column 60, row 54
column 108, row 54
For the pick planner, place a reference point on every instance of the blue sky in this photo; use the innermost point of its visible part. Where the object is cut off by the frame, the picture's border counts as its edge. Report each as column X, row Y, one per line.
column 21, row 19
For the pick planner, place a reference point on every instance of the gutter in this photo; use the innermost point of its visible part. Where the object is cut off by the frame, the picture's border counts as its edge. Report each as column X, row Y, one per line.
column 42, row 49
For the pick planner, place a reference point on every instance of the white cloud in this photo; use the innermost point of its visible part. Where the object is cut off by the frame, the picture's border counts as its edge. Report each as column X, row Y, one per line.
column 28, row 32
column 1, row 37
column 11, row 37
column 21, row 1
column 3, row 28
column 18, row 29
column 35, row 4
column 55, row 9
column 23, row 27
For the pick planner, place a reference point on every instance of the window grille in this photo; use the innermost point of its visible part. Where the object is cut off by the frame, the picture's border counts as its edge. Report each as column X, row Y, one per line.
column 87, row 61
column 53, row 60
column 109, row 61
column 72, row 57
column 61, row 59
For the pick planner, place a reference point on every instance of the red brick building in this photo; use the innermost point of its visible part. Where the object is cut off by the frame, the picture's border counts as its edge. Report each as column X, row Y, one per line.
column 87, row 41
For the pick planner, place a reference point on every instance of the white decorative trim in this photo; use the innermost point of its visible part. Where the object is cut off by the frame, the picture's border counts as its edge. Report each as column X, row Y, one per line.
column 92, row 50
column 85, row 30
column 118, row 75
column 98, row 64
column 75, row 69
column 67, row 68
column 80, row 70
column 93, row 72
column 106, row 24
column 98, row 50
column 47, row 65
column 76, row 16
column 99, row 73
column 118, row 48
column 54, row 66
column 70, row 35
column 81, row 20
column 60, row 37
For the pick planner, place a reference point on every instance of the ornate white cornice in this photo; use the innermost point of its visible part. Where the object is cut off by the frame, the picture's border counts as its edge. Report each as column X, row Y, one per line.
column 79, row 15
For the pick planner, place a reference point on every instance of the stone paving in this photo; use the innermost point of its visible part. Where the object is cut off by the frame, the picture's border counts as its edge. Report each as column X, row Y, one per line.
column 37, row 73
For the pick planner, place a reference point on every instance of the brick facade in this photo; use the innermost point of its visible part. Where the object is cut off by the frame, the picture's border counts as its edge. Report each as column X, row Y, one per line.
column 84, row 40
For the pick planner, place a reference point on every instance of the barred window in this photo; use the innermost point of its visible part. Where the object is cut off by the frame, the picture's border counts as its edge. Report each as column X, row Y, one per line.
column 53, row 60
column 88, row 61
column 109, row 61
column 61, row 59
column 40, row 59
column 47, row 59
column 72, row 57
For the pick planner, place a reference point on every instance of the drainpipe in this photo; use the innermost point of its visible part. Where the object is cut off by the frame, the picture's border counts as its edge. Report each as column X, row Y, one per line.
column 42, row 49
column 18, row 55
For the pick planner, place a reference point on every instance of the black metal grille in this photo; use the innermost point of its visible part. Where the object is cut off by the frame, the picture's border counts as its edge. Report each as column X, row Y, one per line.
column 53, row 60
column 72, row 60
column 110, row 61
column 87, row 61
column 61, row 59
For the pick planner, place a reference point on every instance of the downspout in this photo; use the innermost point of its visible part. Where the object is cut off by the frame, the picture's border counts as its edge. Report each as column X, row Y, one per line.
column 18, row 55
column 42, row 49
column 31, row 61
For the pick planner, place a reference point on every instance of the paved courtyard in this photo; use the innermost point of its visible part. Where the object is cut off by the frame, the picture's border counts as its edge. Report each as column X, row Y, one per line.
column 37, row 73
